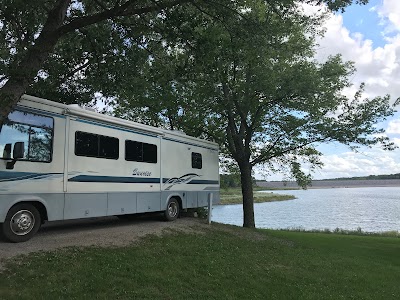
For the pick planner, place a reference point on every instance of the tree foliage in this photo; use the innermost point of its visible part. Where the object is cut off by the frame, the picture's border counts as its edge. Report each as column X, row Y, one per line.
column 229, row 180
column 69, row 50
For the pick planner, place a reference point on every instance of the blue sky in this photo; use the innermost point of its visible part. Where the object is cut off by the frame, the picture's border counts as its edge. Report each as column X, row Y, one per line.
column 368, row 35
column 364, row 19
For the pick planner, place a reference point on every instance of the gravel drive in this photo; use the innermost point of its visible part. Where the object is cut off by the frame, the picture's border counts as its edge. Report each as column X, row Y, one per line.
column 107, row 231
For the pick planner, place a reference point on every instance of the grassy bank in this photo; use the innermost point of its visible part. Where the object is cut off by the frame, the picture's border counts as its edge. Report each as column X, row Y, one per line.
column 234, row 196
column 224, row 262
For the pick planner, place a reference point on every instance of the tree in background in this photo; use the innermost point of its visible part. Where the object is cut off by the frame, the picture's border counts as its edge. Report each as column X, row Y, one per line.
column 229, row 180
column 261, row 96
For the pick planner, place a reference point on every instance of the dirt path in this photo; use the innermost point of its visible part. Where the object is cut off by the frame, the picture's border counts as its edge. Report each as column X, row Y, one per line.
column 109, row 231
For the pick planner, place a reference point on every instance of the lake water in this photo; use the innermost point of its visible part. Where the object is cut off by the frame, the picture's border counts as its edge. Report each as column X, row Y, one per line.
column 373, row 209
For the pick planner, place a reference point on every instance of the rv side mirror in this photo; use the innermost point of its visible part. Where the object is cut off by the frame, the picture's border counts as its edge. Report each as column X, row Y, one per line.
column 19, row 149
column 18, row 152
column 7, row 151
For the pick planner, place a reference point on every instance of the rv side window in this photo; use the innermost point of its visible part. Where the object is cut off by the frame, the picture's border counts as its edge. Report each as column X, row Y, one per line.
column 197, row 161
column 95, row 145
column 140, row 152
column 35, row 131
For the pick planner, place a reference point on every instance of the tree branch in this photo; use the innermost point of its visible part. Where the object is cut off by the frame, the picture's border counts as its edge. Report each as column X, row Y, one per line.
column 74, row 71
column 230, row 142
column 290, row 149
column 102, row 6
column 261, row 157
column 125, row 9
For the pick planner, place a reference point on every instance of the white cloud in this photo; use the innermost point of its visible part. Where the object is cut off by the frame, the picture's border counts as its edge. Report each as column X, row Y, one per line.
column 396, row 141
column 389, row 12
column 393, row 127
column 373, row 161
column 348, row 164
column 378, row 67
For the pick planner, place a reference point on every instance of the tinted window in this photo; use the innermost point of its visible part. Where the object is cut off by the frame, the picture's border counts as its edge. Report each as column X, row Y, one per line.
column 141, row 152
column 95, row 145
column 86, row 144
column 108, row 147
column 35, row 131
column 133, row 151
column 149, row 153
column 197, row 161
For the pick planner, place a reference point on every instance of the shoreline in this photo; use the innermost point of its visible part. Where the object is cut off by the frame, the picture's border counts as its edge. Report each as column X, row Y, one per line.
column 259, row 197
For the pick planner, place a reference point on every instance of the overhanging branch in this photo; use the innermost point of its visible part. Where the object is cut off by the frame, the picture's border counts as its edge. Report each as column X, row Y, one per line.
column 265, row 158
column 126, row 9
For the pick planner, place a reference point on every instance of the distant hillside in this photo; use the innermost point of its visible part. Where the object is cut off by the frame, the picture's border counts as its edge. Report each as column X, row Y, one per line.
column 332, row 183
column 369, row 177
column 392, row 180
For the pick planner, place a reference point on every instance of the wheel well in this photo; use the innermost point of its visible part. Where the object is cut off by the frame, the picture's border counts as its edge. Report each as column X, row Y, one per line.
column 40, row 207
column 179, row 201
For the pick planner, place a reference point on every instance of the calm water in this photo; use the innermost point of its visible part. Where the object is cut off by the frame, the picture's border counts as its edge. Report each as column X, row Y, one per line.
column 373, row 209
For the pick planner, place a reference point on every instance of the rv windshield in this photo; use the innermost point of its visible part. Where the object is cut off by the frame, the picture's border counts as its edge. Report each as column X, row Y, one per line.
column 35, row 131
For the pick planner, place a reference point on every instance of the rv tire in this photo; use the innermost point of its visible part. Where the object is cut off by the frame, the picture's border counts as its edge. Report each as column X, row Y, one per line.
column 21, row 223
column 172, row 211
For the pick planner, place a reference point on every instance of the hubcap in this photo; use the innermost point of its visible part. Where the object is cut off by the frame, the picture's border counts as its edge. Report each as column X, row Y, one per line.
column 22, row 222
column 172, row 209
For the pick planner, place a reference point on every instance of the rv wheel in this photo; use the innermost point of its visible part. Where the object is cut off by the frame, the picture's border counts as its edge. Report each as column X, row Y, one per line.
column 21, row 223
column 172, row 211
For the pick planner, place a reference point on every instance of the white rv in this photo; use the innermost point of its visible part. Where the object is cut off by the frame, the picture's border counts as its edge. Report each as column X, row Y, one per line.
column 64, row 162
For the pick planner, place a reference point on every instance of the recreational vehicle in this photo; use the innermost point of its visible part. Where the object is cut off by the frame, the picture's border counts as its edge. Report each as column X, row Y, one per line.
column 65, row 162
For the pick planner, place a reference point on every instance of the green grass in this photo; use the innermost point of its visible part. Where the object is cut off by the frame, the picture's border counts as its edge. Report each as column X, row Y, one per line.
column 234, row 196
column 224, row 263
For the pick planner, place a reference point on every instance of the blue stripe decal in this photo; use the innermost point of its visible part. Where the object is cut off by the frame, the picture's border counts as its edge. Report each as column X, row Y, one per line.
column 203, row 182
column 190, row 144
column 195, row 181
column 113, row 179
column 15, row 176
column 114, row 127
column 38, row 111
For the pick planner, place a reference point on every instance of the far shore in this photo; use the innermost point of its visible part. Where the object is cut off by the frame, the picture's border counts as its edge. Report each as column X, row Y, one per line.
column 329, row 184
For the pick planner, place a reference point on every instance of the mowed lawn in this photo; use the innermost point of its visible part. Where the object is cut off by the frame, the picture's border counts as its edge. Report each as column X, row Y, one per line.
column 222, row 262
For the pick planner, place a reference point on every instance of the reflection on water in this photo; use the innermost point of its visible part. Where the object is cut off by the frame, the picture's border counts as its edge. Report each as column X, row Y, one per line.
column 372, row 209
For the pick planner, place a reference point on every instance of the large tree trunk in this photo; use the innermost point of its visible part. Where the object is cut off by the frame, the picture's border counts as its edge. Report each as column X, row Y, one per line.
column 247, row 193
column 21, row 77
column 23, row 72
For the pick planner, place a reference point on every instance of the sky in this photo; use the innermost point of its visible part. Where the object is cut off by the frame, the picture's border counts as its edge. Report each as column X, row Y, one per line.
column 368, row 35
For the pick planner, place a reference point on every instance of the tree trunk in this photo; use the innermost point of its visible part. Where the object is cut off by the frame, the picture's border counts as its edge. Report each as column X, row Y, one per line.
column 247, row 193
column 22, row 73
column 22, row 76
